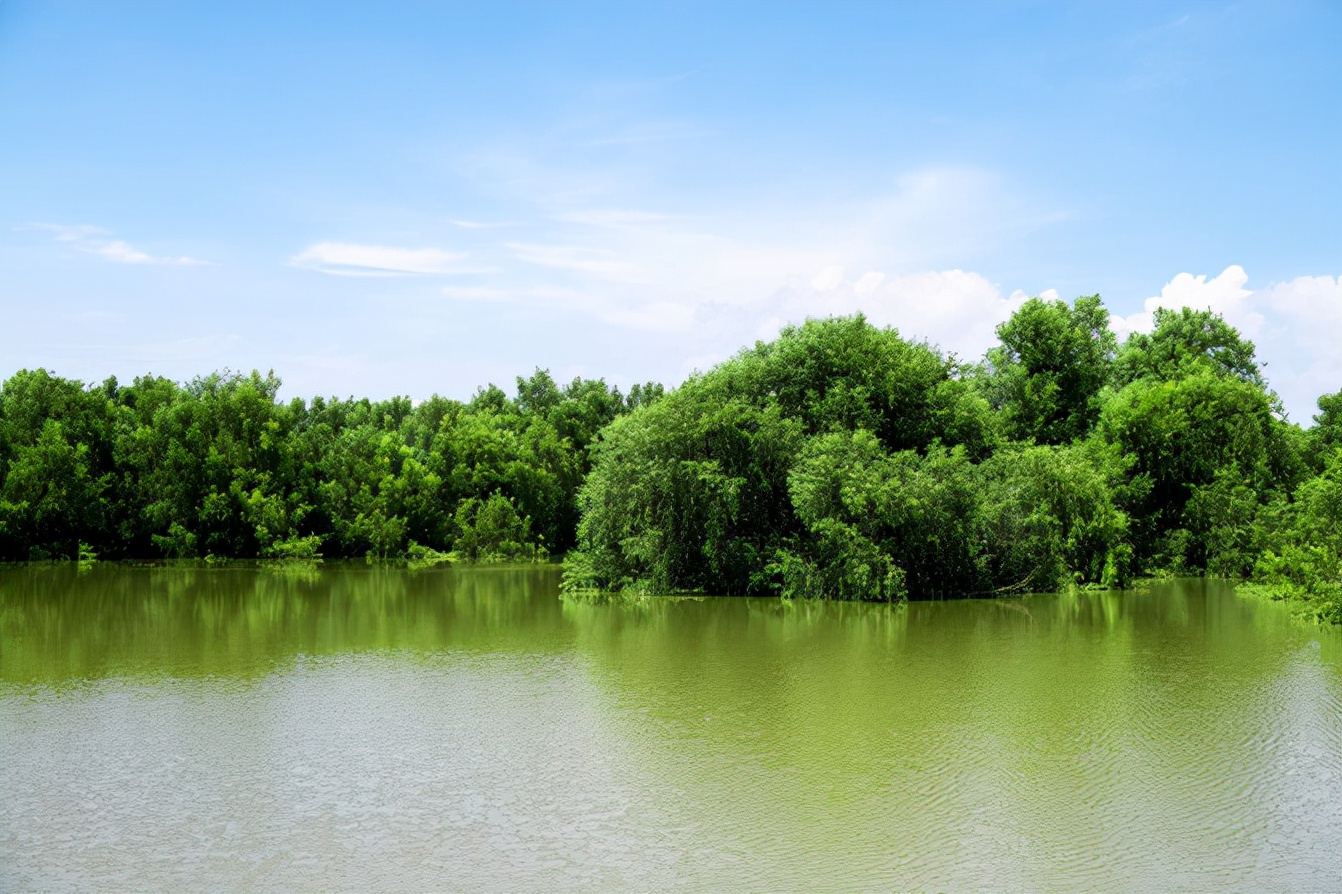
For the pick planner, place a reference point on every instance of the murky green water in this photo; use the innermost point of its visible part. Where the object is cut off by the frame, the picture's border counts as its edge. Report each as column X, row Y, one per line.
column 167, row 729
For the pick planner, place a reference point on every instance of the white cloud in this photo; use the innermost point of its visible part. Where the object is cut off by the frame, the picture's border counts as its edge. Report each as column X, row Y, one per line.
column 1294, row 325
column 123, row 254
column 349, row 259
column 120, row 253
column 476, row 293
column 596, row 262
column 704, row 279
column 728, row 281
column 535, row 295
column 480, row 224
column 1225, row 294
column 937, row 216
column 96, row 241
column 721, row 275
column 828, row 280
column 612, row 218
column 63, row 233
column 955, row 309
column 870, row 282
column 658, row 316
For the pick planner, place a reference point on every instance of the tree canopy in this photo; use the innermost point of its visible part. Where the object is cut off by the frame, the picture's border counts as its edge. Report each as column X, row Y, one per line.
column 844, row 461
column 840, row 460
column 220, row 467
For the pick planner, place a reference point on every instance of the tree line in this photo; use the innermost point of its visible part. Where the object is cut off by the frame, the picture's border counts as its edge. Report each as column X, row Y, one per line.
column 844, row 461
column 840, row 460
column 220, row 467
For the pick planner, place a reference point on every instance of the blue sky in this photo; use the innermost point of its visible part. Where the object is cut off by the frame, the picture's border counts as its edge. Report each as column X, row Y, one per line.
column 379, row 199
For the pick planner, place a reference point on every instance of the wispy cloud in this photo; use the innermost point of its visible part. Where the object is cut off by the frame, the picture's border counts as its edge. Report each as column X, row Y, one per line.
column 733, row 277
column 648, row 132
column 597, row 262
column 481, row 224
column 477, row 293
column 655, row 316
column 63, row 233
column 97, row 241
column 612, row 218
column 349, row 259
column 526, row 294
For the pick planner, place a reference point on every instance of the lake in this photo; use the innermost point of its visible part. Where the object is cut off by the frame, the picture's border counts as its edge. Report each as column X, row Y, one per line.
column 368, row 727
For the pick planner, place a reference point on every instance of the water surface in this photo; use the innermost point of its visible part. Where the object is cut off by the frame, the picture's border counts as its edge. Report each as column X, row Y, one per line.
column 239, row 728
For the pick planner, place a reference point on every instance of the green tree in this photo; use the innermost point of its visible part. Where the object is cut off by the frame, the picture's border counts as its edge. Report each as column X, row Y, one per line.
column 50, row 502
column 919, row 511
column 1326, row 435
column 57, row 481
column 1180, row 435
column 692, row 492
column 1049, row 517
column 1303, row 562
column 1050, row 368
column 1185, row 342
column 492, row 529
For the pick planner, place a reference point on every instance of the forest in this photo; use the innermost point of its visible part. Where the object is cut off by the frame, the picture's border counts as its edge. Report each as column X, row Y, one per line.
column 840, row 461
column 220, row 468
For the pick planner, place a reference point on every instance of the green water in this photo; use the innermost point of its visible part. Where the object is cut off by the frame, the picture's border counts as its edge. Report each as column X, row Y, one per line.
column 372, row 728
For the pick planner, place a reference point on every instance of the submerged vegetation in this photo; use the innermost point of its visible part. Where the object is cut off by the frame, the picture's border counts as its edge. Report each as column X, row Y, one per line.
column 838, row 461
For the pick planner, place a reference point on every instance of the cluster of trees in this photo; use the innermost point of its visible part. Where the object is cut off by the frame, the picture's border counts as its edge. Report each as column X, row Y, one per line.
column 839, row 461
column 844, row 461
column 220, row 467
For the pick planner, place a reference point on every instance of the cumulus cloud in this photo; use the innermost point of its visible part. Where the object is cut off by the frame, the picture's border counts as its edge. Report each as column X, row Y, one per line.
column 1225, row 294
column 97, row 241
column 1293, row 324
column 350, row 259
column 954, row 309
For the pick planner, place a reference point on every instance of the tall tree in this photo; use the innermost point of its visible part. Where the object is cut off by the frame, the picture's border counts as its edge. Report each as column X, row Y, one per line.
column 1048, row 372
column 1183, row 342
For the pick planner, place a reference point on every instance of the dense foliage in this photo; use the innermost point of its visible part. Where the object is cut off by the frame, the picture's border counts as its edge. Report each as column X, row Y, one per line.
column 838, row 461
column 843, row 461
column 220, row 467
